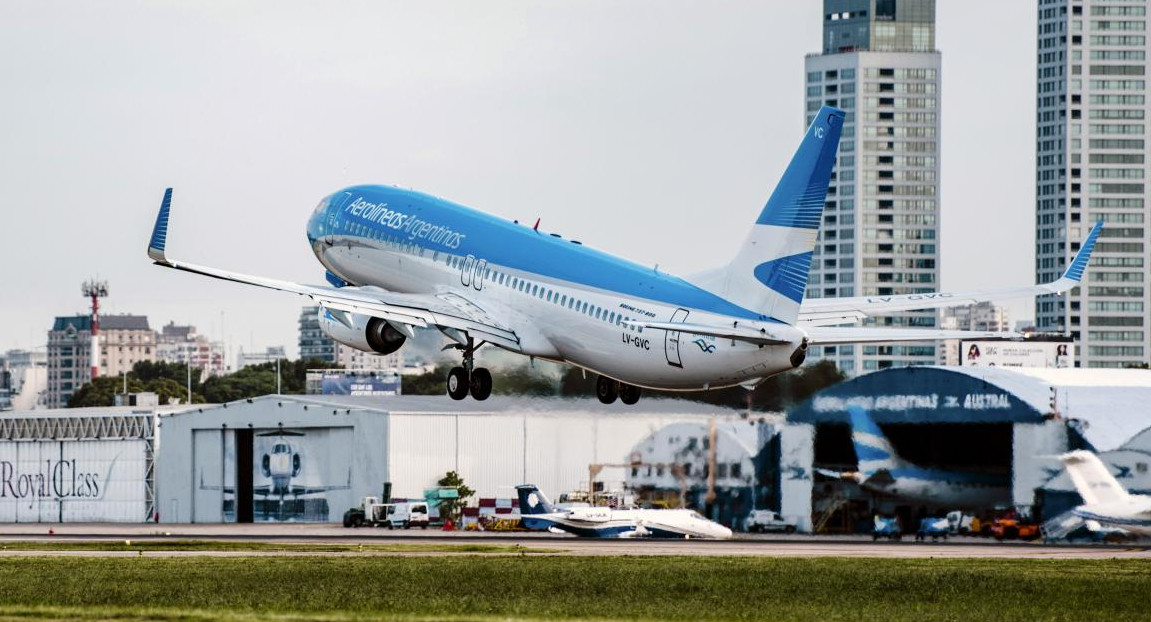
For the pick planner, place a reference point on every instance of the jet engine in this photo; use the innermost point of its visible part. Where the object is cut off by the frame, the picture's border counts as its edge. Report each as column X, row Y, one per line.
column 370, row 334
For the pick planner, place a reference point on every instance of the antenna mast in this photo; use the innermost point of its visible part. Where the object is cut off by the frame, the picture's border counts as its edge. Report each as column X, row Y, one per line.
column 95, row 290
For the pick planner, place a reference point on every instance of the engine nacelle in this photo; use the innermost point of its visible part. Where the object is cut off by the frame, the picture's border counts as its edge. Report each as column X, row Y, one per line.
column 370, row 334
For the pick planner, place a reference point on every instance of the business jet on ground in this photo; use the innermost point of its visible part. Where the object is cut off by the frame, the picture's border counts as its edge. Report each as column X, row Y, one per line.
column 398, row 260
column 599, row 522
column 882, row 471
column 1105, row 501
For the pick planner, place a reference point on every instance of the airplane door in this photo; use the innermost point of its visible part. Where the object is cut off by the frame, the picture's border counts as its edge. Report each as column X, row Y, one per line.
column 481, row 269
column 466, row 271
column 671, row 339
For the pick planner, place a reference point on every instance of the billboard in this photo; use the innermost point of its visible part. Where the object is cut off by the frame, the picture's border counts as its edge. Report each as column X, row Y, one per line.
column 342, row 383
column 73, row 481
column 1017, row 354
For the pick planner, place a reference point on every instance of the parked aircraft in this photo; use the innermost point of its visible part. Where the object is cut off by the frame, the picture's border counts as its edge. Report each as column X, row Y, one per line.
column 882, row 471
column 397, row 260
column 1105, row 500
column 600, row 522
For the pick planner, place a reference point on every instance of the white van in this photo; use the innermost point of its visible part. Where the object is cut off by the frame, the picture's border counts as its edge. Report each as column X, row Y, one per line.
column 408, row 515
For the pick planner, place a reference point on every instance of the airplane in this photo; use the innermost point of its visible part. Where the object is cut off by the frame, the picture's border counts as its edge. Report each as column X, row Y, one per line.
column 1105, row 500
column 600, row 522
column 882, row 471
column 397, row 260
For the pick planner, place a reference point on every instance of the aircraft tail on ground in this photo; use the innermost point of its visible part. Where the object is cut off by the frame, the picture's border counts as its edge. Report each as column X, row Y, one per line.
column 872, row 448
column 769, row 273
column 1092, row 479
column 532, row 501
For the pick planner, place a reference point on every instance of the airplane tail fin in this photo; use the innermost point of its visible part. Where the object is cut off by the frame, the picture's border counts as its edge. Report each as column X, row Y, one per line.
column 872, row 448
column 532, row 501
column 769, row 273
column 1092, row 479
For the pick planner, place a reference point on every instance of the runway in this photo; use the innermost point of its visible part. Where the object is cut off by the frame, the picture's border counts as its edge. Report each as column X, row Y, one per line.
column 551, row 544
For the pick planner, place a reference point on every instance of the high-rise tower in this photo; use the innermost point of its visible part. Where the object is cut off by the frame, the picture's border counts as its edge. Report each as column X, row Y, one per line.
column 1091, row 164
column 880, row 230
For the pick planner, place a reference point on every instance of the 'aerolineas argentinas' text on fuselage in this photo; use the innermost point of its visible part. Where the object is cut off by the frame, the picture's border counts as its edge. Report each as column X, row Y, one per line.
column 412, row 226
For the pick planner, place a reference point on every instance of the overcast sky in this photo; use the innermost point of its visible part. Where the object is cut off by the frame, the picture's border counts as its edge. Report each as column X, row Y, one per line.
column 650, row 129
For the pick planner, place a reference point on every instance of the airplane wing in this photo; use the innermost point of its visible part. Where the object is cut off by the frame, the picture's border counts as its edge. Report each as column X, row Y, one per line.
column 448, row 311
column 262, row 490
column 835, row 311
column 297, row 490
column 842, row 335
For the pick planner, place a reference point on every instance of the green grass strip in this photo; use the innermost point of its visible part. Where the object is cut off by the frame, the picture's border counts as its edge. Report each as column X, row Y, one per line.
column 586, row 588
column 269, row 547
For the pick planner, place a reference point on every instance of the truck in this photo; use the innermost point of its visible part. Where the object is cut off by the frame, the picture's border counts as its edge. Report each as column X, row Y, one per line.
column 760, row 521
column 372, row 513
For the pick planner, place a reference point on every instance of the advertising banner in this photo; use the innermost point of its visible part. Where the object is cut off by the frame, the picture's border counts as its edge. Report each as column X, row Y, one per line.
column 360, row 384
column 1017, row 354
column 73, row 481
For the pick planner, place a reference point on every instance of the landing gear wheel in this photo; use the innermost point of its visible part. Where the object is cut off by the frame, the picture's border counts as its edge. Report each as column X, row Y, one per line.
column 629, row 394
column 458, row 383
column 606, row 389
column 481, row 384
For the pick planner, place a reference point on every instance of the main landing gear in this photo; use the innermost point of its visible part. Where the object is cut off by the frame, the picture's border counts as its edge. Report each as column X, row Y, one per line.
column 469, row 378
column 607, row 390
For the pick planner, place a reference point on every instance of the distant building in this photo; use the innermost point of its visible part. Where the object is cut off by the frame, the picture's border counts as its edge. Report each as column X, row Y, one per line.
column 1091, row 143
column 23, row 379
column 314, row 344
column 182, row 345
column 124, row 340
column 270, row 355
column 880, row 230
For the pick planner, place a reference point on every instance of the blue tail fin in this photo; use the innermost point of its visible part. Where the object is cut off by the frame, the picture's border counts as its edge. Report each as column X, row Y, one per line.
column 769, row 273
column 532, row 501
column 872, row 448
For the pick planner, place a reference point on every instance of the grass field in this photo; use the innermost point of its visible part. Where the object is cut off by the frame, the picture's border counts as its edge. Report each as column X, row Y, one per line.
column 593, row 588
column 242, row 546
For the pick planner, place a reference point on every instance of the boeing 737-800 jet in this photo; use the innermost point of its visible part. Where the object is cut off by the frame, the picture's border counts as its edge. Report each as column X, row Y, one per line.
column 398, row 260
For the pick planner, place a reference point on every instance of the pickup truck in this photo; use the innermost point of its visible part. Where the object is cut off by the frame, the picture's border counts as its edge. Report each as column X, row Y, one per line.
column 761, row 521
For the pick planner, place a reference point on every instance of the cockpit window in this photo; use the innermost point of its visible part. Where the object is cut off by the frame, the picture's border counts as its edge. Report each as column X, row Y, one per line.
column 280, row 448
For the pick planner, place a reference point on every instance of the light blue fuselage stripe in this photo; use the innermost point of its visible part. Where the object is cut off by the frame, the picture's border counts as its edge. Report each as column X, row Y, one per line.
column 517, row 247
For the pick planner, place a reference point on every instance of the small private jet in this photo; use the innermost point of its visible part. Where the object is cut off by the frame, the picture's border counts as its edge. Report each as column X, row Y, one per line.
column 1105, row 500
column 600, row 522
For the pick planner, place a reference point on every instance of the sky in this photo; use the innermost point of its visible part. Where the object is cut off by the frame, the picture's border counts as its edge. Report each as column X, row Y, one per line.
column 652, row 129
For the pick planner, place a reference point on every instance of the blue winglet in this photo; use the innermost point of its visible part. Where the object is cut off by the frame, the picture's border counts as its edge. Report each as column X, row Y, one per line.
column 160, row 231
column 1079, row 262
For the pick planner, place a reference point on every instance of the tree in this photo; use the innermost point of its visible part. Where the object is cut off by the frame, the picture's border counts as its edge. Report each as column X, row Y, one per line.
column 451, row 508
column 102, row 391
column 434, row 382
column 522, row 380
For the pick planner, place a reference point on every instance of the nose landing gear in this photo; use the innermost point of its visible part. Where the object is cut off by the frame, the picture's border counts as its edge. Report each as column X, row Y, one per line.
column 468, row 378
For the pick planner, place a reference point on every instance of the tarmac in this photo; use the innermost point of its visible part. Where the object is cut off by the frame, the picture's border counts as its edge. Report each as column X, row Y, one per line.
column 742, row 545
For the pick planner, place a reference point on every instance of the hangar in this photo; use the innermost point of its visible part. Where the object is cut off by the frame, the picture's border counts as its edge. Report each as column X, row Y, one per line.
column 309, row 458
column 78, row 465
column 994, row 421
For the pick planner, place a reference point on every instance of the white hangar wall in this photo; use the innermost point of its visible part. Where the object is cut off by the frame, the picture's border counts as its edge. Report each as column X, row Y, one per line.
column 349, row 446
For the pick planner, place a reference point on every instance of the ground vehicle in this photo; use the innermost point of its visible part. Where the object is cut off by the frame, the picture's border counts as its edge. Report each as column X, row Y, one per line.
column 407, row 515
column 934, row 528
column 1010, row 527
column 884, row 527
column 391, row 515
column 370, row 512
column 963, row 524
column 768, row 520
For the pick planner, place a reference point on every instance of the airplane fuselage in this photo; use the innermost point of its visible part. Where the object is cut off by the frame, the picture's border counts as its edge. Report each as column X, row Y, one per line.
column 946, row 488
column 598, row 522
column 574, row 302
column 1133, row 515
